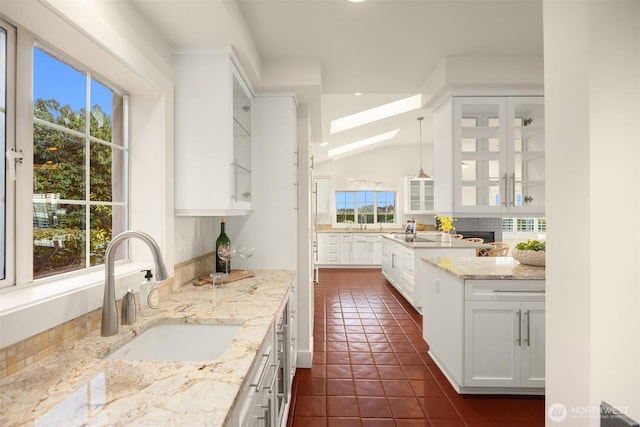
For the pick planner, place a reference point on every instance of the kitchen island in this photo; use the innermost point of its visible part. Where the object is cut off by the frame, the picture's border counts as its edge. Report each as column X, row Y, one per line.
column 483, row 319
column 78, row 386
column 401, row 264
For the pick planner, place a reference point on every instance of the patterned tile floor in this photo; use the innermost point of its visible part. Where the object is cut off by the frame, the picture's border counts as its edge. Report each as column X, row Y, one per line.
column 371, row 367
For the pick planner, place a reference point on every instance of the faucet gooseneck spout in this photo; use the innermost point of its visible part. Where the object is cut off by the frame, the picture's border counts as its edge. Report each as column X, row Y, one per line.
column 109, row 309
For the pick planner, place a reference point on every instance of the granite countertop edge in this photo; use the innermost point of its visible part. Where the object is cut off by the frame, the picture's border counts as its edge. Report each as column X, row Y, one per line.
column 486, row 268
column 78, row 386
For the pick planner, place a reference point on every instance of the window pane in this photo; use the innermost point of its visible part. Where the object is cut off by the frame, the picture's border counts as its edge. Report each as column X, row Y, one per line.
column 59, row 92
column 366, row 207
column 101, row 111
column 58, row 163
column 101, row 219
column 345, row 206
column 107, row 167
column 58, row 236
column 386, row 201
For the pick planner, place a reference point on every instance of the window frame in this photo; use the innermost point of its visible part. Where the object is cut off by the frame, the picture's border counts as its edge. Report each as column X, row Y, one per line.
column 22, row 124
column 357, row 216
column 87, row 203
column 10, row 142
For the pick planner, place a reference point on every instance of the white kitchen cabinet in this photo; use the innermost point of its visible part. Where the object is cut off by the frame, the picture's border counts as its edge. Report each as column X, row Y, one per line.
column 419, row 196
column 265, row 399
column 404, row 270
column 494, row 149
column 367, row 248
column 257, row 397
column 346, row 248
column 322, row 200
column 350, row 249
column 504, row 344
column 213, row 143
column 328, row 248
column 391, row 267
column 487, row 336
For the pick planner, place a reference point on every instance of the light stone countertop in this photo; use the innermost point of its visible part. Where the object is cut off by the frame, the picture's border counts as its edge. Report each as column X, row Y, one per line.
column 487, row 268
column 432, row 243
column 79, row 387
column 371, row 229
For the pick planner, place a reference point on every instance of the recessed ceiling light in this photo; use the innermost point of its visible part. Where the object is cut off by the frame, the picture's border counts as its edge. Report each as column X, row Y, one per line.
column 377, row 113
column 356, row 1
column 363, row 143
column 358, row 93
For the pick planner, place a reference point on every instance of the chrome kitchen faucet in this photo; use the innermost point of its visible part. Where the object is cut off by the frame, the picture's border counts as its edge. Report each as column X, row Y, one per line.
column 109, row 309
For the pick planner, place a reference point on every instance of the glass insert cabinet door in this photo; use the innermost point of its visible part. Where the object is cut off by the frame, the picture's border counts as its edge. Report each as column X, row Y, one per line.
column 526, row 148
column 499, row 154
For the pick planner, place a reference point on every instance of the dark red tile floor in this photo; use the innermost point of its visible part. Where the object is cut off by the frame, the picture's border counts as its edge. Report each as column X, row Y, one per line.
column 371, row 367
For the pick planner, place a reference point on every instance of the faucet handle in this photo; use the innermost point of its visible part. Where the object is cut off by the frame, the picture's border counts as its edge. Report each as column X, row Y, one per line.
column 128, row 308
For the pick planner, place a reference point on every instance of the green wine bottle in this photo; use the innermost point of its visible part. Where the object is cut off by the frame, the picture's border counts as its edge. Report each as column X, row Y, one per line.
column 223, row 239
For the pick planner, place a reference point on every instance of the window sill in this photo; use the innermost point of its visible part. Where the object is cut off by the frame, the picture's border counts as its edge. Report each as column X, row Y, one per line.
column 30, row 310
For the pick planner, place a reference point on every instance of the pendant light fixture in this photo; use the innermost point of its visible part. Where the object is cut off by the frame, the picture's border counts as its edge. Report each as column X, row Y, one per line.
column 421, row 174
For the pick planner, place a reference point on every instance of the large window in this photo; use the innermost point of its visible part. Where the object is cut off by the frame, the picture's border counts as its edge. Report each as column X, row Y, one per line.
column 79, row 164
column 70, row 177
column 365, row 207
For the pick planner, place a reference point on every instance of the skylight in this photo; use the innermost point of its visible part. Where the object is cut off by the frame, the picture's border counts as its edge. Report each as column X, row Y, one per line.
column 363, row 143
column 377, row 113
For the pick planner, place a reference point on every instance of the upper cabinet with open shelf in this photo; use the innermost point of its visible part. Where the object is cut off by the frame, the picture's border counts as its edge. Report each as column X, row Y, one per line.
column 213, row 149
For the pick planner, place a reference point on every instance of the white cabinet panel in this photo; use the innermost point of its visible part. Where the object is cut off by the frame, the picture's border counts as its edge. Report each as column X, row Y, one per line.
column 492, row 340
column 486, row 335
column 213, row 136
column 419, row 196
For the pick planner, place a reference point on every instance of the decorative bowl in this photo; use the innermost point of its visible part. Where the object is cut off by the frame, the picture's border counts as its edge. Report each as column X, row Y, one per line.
column 529, row 257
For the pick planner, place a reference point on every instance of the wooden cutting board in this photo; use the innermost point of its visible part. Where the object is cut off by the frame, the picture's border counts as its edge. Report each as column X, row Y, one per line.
column 233, row 276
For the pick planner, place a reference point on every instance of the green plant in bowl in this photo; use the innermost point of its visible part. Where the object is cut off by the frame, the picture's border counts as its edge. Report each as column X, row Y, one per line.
column 531, row 252
column 531, row 245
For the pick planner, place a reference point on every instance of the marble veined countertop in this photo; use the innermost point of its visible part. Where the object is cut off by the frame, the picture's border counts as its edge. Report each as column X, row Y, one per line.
column 79, row 387
column 487, row 268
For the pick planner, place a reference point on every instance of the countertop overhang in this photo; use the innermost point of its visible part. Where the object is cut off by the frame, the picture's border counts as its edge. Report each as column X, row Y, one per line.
column 78, row 386
column 486, row 268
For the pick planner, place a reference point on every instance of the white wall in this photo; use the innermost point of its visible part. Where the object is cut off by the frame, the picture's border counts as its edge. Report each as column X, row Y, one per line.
column 592, row 93
column 388, row 164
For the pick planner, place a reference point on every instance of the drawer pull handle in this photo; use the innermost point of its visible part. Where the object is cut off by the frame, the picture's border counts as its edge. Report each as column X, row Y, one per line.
column 518, row 291
column 519, row 340
column 264, row 370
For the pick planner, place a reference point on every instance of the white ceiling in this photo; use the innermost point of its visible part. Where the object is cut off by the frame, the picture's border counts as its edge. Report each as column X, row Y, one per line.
column 385, row 49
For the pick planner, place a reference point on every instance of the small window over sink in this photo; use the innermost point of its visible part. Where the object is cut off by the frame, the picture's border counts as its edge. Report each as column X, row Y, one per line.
column 365, row 207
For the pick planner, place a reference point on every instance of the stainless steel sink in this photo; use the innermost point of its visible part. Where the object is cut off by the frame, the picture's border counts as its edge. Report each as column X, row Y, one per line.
column 182, row 342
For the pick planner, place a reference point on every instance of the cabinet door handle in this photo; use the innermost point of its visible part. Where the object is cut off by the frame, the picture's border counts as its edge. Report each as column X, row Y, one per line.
column 272, row 386
column 519, row 340
column 513, row 189
column 264, row 371
column 393, row 260
column 519, row 291
column 506, row 190
column 528, row 319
